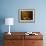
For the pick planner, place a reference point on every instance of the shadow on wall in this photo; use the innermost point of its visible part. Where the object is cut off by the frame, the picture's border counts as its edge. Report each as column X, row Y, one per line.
column 2, row 21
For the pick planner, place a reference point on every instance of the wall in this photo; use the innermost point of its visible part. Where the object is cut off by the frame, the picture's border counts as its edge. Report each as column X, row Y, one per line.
column 9, row 8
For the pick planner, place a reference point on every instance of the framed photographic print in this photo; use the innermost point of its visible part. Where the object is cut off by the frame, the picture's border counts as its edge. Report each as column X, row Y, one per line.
column 27, row 15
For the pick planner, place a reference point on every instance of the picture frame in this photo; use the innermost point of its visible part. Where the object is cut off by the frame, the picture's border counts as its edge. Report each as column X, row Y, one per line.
column 26, row 15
